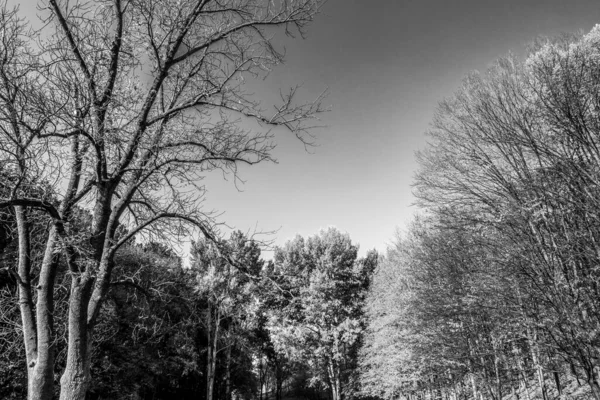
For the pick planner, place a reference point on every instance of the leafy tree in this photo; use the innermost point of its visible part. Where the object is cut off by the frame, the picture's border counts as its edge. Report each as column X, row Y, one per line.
column 319, row 319
column 229, row 285
column 384, row 370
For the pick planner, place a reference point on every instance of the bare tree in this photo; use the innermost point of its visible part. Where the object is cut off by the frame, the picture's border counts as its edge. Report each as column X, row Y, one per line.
column 122, row 107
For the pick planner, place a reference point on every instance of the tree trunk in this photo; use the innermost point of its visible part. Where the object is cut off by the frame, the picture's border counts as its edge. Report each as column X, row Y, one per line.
column 36, row 378
column 557, row 382
column 473, row 385
column 334, row 380
column 75, row 380
column 497, row 372
column 279, row 372
column 338, row 383
column 537, row 363
column 211, row 363
column 523, row 378
column 279, row 389
column 228, row 373
column 262, row 376
column 542, row 382
column 39, row 338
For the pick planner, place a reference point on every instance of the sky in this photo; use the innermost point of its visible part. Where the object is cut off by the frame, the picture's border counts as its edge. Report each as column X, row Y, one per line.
column 386, row 65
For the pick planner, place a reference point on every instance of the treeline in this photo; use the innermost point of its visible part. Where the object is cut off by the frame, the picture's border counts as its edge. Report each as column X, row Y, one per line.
column 496, row 286
column 231, row 325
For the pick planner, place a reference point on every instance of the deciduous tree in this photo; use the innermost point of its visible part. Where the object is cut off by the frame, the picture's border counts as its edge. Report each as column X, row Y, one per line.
column 320, row 318
column 122, row 107
column 515, row 151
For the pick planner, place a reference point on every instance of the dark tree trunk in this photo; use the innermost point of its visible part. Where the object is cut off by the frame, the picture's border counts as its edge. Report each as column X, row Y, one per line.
column 557, row 382
column 228, row 373
column 211, row 363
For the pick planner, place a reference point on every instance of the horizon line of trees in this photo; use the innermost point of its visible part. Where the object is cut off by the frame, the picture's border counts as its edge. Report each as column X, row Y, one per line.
column 216, row 329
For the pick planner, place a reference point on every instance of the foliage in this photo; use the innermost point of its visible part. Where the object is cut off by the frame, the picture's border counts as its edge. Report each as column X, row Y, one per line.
column 319, row 317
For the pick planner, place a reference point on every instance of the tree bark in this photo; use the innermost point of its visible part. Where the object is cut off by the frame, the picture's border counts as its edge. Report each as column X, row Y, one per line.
column 211, row 354
column 334, row 379
column 40, row 367
column 40, row 364
column 86, row 298
column 497, row 371
column 262, row 377
column 557, row 382
column 228, row 373
column 537, row 363
column 473, row 385
column 278, row 381
column 75, row 380
column 25, row 297
column 524, row 380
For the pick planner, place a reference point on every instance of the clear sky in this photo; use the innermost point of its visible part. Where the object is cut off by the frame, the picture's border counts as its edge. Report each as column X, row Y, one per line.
column 386, row 64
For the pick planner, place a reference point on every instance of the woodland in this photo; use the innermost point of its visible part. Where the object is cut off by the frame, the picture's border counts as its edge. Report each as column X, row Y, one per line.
column 111, row 113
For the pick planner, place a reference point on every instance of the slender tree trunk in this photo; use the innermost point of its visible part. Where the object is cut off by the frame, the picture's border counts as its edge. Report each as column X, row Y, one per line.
column 212, row 355
column 261, row 378
column 334, row 380
column 76, row 379
column 38, row 333
column 557, row 382
column 537, row 364
column 497, row 371
column 228, row 373
column 279, row 388
column 25, row 296
column 338, row 382
column 260, row 396
column 473, row 385
column 43, row 382
column 523, row 378
column 486, row 380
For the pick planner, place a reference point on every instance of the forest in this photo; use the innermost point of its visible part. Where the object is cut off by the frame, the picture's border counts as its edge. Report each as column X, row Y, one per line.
column 111, row 114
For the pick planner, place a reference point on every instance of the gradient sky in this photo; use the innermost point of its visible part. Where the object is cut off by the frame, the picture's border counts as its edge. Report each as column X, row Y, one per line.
column 386, row 64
